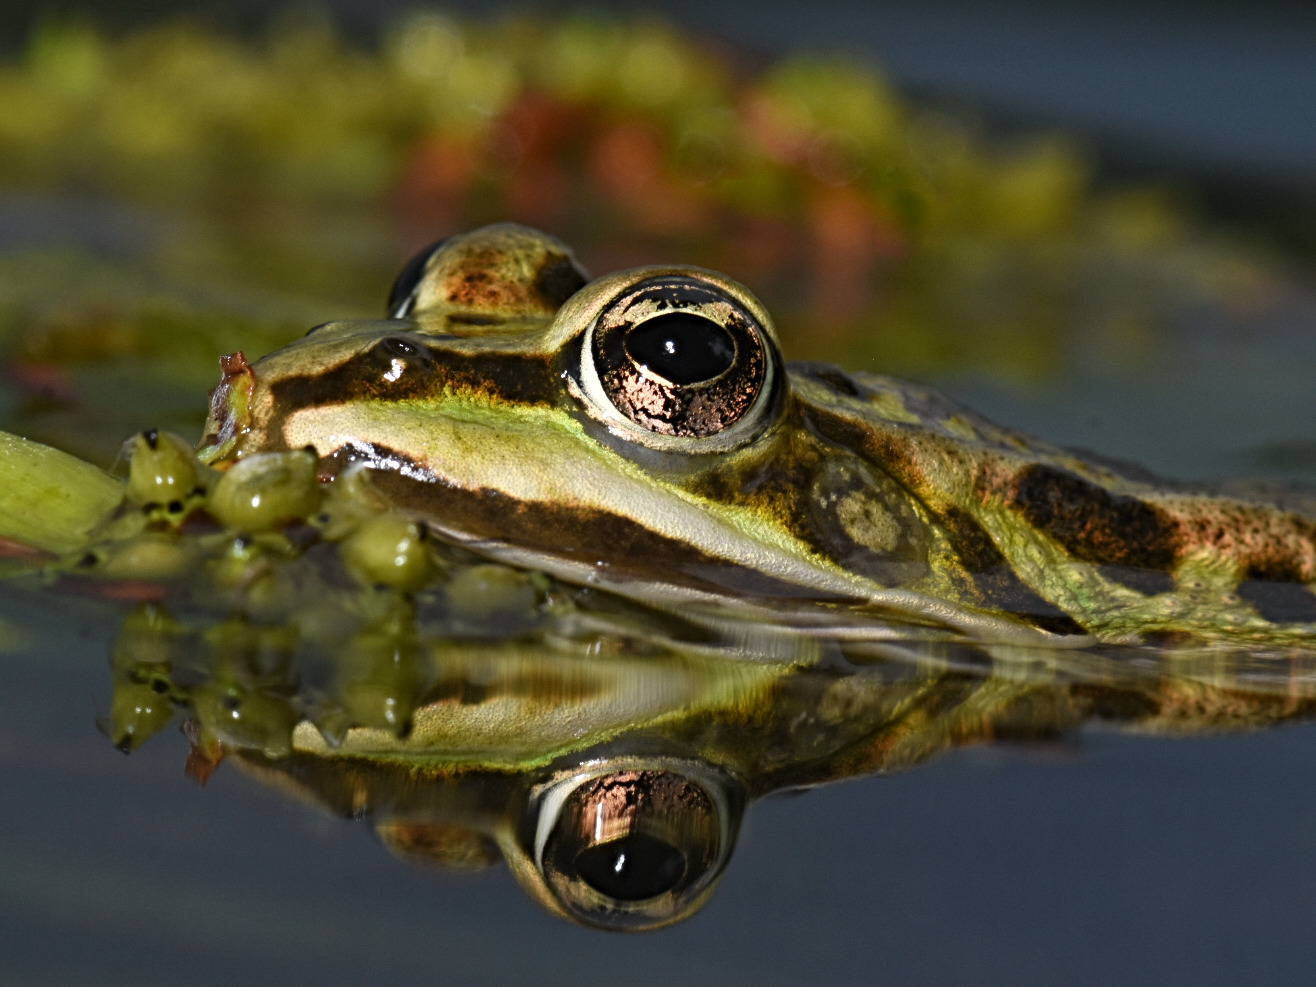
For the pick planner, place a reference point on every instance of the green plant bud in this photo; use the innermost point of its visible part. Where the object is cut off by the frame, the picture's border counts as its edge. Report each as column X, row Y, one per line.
column 349, row 501
column 246, row 719
column 163, row 469
column 138, row 710
column 146, row 640
column 389, row 551
column 239, row 562
column 149, row 556
column 483, row 590
column 377, row 681
column 265, row 491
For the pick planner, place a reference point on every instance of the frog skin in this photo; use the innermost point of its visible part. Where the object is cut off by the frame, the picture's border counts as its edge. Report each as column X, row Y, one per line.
column 540, row 418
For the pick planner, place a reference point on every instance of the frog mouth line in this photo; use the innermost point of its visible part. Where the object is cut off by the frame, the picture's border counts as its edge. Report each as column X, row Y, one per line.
column 569, row 541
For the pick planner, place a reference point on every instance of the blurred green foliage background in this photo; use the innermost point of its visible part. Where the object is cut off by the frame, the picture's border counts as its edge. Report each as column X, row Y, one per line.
column 218, row 192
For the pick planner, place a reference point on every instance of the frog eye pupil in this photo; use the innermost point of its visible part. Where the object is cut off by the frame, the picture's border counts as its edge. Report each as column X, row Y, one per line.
column 682, row 348
column 634, row 868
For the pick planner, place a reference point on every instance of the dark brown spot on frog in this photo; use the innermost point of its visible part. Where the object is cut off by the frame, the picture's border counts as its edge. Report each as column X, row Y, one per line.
column 888, row 450
column 953, row 690
column 1033, row 719
column 1168, row 639
column 1092, row 523
column 1277, row 593
column 459, row 690
column 1114, row 704
column 968, row 656
column 473, row 284
column 485, row 279
column 995, row 581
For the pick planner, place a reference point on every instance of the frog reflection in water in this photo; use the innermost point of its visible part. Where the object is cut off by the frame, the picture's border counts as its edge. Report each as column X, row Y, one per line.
column 805, row 575
column 641, row 432
column 612, row 771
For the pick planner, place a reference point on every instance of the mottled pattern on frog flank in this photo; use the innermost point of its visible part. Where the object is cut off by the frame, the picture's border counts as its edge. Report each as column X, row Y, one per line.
column 1130, row 541
column 992, row 580
column 1094, row 524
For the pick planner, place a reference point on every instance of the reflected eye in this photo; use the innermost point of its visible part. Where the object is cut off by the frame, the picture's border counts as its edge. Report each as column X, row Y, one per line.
column 402, row 295
column 632, row 849
column 675, row 359
column 633, row 868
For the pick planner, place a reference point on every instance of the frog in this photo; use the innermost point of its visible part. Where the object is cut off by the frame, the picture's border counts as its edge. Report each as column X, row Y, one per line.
column 641, row 433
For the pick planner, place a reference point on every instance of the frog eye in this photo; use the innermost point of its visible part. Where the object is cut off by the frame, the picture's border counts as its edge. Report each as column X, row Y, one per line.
column 402, row 296
column 632, row 849
column 677, row 362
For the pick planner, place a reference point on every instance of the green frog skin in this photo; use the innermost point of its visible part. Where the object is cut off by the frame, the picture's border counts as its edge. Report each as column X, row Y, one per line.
column 641, row 432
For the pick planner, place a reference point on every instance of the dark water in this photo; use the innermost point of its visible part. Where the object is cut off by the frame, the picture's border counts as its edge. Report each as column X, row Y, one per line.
column 1102, row 860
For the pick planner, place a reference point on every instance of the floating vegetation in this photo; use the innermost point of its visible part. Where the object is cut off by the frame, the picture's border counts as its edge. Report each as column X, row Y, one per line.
column 291, row 173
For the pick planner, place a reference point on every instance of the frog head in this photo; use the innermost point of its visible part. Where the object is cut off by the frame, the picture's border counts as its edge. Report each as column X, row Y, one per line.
column 594, row 428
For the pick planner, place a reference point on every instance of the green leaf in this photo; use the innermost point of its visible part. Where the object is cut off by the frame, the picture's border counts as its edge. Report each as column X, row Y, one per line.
column 49, row 499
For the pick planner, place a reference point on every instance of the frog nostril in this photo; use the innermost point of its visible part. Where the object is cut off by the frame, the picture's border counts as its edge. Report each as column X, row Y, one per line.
column 398, row 355
column 399, row 347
